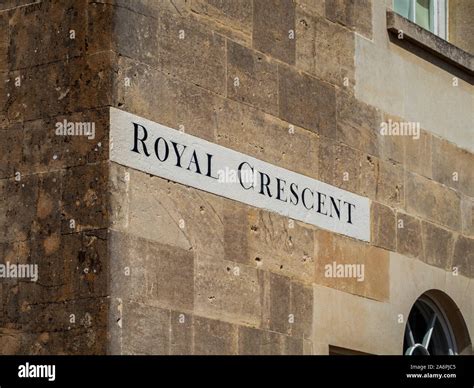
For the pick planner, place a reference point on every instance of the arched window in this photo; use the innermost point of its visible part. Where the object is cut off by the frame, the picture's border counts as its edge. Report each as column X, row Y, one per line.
column 429, row 331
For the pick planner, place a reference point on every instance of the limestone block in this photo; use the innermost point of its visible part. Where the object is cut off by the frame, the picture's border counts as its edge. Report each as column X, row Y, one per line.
column 149, row 93
column 181, row 335
column 383, row 223
column 277, row 244
column 390, row 184
column 252, row 78
column 325, row 50
column 174, row 45
column 333, row 250
column 235, row 14
column 418, row 154
column 409, row 237
column 151, row 273
column 42, row 33
column 254, row 341
column 357, row 124
column 252, row 132
column 438, row 245
column 452, row 166
column 464, row 256
column 433, row 201
column 145, row 330
column 467, row 214
column 307, row 102
column 18, row 208
column 356, row 15
column 84, row 198
column 212, row 337
column 181, row 216
column 273, row 22
column 227, row 291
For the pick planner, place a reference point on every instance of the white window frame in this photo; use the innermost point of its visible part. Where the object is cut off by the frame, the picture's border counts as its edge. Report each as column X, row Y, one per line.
column 440, row 16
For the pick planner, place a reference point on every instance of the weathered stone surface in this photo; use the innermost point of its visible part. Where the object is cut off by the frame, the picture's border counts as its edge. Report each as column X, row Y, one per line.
column 4, row 43
column 75, row 150
column 261, row 342
column 368, row 176
column 232, row 14
column 409, row 237
column 100, row 26
column 467, row 214
column 391, row 147
column 325, row 49
column 181, row 216
column 11, row 155
column 10, row 341
column 173, row 45
column 383, row 228
column 307, row 102
column 236, row 226
column 151, row 273
column 152, row 8
column 453, row 166
column 213, row 337
column 119, row 188
column 353, row 14
column 18, row 207
column 280, row 245
column 254, row 341
column 279, row 303
column 273, row 22
column 332, row 248
column 84, row 198
column 42, row 33
column 301, row 308
column 418, row 154
column 145, row 330
column 48, row 214
column 8, row 4
column 181, row 335
column 86, row 314
column 82, row 341
column 390, row 184
column 293, row 346
column 41, row 149
column 227, row 291
column 85, row 259
column 327, row 159
column 260, row 135
column 148, row 92
column 438, row 245
column 433, row 201
column 312, row 6
column 357, row 123
column 460, row 28
column 252, row 78
column 80, row 83
column 463, row 258
column 347, row 167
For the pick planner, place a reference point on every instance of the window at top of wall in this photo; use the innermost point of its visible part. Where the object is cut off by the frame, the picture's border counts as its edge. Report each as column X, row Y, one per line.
column 429, row 14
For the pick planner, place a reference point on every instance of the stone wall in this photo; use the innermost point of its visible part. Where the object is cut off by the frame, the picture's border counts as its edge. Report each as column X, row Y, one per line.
column 166, row 269
column 53, row 206
column 222, row 277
